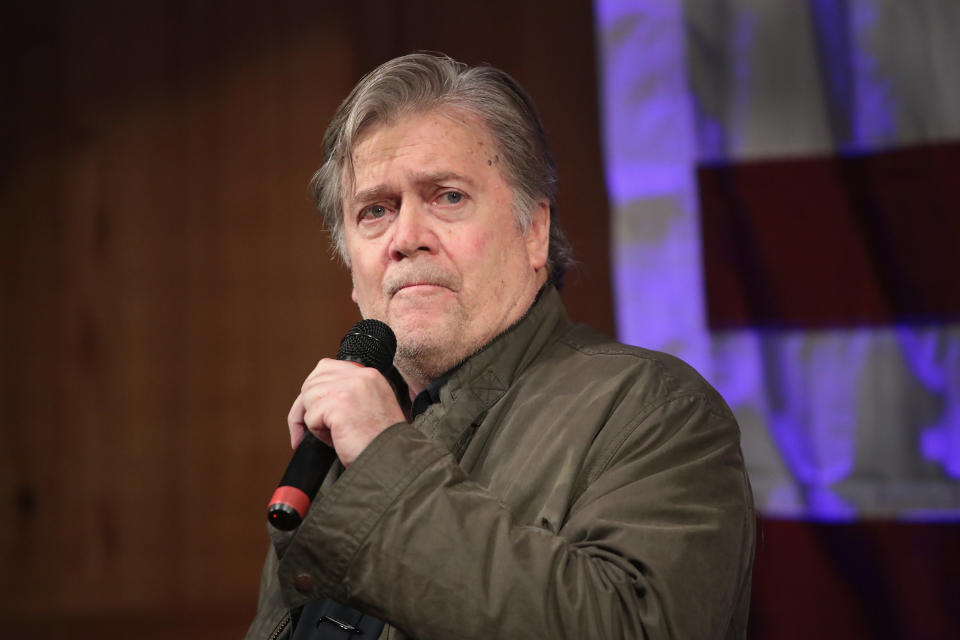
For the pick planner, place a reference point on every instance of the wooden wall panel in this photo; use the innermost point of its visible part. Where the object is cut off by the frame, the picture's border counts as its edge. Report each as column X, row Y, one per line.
column 166, row 284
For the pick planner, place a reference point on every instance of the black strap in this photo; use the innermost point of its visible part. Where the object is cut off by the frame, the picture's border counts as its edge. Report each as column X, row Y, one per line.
column 329, row 620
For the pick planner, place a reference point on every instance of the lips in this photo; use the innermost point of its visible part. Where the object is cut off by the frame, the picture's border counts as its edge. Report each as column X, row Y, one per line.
column 421, row 288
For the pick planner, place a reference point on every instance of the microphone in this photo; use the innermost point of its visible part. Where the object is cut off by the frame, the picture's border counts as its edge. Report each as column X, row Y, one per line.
column 370, row 343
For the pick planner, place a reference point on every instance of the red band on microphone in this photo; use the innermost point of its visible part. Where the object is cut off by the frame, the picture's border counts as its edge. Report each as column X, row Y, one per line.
column 293, row 497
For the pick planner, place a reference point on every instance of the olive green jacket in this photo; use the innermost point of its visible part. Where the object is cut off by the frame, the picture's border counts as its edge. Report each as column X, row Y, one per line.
column 564, row 486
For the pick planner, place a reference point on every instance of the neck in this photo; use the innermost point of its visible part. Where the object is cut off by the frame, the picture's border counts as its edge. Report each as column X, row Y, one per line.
column 415, row 384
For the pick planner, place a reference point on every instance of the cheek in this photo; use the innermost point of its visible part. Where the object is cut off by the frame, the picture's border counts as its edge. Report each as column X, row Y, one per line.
column 365, row 283
column 478, row 245
column 477, row 255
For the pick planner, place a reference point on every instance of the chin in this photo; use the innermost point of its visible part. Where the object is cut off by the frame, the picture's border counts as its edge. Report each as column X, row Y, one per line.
column 431, row 351
column 424, row 360
column 421, row 340
column 424, row 327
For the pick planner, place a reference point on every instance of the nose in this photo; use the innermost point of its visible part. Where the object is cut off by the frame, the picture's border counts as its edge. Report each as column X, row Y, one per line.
column 412, row 232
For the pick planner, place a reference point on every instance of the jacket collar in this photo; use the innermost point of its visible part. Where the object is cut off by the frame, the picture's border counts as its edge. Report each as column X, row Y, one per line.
column 484, row 378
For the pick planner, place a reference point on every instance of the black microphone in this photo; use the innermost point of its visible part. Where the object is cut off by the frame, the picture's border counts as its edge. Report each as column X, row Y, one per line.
column 370, row 343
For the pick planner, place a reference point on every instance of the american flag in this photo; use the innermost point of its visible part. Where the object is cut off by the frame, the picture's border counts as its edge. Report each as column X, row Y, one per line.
column 785, row 178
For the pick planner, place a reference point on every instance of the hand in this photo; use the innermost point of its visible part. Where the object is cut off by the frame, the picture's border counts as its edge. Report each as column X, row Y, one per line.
column 345, row 405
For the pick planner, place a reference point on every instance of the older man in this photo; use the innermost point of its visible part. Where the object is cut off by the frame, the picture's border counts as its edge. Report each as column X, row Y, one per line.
column 546, row 481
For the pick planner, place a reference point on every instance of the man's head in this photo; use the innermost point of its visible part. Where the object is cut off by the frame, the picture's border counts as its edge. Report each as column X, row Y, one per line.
column 421, row 82
column 438, row 188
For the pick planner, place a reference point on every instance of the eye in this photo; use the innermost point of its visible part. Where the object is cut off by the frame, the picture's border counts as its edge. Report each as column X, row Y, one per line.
column 450, row 198
column 373, row 212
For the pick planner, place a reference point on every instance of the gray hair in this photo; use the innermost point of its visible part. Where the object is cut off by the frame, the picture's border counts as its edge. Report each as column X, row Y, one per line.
column 420, row 82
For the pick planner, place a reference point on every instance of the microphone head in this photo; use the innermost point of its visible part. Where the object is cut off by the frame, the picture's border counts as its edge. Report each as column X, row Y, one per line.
column 370, row 343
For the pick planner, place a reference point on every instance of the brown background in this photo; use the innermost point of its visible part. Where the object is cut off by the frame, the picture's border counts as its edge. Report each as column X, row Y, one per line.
column 166, row 284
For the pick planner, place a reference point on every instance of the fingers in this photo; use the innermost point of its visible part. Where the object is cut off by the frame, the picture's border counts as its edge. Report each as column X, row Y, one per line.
column 296, row 423
column 310, row 410
column 344, row 405
column 337, row 378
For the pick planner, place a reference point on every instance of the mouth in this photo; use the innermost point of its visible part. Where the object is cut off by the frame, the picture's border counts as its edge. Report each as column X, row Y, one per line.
column 417, row 287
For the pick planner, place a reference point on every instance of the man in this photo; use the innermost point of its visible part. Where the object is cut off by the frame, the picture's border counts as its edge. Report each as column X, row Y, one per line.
column 546, row 482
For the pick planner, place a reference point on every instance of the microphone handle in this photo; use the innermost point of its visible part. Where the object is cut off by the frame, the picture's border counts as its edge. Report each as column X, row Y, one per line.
column 369, row 343
column 304, row 475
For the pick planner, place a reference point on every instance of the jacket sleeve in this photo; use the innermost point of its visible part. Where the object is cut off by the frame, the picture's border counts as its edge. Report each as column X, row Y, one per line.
column 658, row 542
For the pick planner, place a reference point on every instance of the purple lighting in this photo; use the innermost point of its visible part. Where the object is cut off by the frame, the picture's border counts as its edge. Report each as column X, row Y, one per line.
column 836, row 423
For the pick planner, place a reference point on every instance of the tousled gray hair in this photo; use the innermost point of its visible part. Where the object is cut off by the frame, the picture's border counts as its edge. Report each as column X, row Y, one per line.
column 422, row 82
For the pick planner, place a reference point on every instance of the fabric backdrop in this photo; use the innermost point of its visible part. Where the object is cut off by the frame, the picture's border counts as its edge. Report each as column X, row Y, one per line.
column 784, row 178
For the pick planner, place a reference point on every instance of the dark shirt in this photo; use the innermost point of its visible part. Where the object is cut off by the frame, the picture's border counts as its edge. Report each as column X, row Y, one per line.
column 429, row 395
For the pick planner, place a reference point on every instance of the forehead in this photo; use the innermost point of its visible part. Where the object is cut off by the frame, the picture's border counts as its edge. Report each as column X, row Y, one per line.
column 434, row 141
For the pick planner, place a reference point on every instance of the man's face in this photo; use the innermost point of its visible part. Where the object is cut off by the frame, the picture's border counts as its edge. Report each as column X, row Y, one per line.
column 434, row 248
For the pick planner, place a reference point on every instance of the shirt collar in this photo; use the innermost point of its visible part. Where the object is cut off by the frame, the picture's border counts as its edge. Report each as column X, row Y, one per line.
column 429, row 395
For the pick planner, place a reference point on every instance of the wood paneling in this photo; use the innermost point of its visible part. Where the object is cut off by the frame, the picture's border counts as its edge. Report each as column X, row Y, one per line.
column 165, row 288
column 166, row 283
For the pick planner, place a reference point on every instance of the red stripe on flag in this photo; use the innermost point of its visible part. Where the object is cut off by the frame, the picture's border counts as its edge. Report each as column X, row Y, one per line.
column 826, row 242
column 874, row 579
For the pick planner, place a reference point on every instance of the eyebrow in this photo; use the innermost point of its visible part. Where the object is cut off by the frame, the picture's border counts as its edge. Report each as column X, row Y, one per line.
column 382, row 191
column 378, row 192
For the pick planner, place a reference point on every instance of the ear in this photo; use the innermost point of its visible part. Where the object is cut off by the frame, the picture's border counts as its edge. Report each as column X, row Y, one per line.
column 537, row 236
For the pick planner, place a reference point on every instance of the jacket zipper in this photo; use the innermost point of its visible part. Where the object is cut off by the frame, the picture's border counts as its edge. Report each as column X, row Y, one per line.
column 283, row 625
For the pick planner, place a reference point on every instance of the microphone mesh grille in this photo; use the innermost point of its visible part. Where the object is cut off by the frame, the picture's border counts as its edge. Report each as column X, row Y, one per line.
column 370, row 343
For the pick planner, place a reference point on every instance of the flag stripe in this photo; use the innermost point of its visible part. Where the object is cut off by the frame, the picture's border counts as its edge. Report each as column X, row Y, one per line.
column 875, row 579
column 832, row 242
